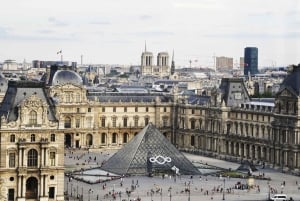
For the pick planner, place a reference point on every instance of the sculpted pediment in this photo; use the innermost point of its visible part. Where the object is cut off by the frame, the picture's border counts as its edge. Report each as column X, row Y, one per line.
column 32, row 102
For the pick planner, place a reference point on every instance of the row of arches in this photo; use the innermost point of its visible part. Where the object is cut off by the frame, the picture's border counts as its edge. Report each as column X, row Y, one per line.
column 113, row 138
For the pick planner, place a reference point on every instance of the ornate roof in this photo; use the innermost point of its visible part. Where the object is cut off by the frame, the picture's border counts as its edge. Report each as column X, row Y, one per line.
column 17, row 92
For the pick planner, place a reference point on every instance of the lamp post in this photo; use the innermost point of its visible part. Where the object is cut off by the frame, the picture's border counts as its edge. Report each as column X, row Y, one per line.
column 77, row 190
column 71, row 189
column 170, row 193
column 90, row 191
column 67, row 188
column 269, row 196
column 224, row 189
column 189, row 185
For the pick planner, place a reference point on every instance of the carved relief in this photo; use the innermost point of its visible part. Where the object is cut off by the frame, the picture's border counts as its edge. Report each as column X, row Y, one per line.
column 3, row 190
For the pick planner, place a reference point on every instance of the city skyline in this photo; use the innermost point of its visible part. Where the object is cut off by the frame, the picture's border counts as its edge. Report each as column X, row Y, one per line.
column 114, row 32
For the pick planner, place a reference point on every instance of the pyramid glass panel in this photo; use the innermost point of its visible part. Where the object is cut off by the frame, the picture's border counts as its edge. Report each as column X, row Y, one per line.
column 148, row 153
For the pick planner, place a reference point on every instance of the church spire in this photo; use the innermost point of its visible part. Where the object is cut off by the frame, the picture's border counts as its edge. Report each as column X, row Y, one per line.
column 145, row 46
column 173, row 64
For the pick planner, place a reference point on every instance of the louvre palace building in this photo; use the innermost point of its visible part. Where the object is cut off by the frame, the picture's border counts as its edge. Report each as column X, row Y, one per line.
column 41, row 118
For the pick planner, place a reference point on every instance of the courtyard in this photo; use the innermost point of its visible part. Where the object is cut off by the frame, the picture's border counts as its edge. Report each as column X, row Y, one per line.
column 163, row 188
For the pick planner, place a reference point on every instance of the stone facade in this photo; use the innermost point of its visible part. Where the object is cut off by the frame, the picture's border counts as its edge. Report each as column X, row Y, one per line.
column 38, row 121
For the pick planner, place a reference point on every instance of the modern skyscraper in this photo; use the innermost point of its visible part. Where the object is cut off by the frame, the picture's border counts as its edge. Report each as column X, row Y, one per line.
column 250, row 60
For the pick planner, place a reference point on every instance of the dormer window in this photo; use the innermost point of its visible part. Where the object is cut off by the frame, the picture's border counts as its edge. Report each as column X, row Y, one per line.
column 32, row 138
column 33, row 118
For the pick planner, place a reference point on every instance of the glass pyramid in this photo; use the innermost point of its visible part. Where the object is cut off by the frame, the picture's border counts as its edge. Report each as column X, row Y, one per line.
column 149, row 153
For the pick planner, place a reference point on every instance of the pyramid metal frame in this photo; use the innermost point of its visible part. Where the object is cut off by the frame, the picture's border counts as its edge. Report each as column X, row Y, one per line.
column 147, row 153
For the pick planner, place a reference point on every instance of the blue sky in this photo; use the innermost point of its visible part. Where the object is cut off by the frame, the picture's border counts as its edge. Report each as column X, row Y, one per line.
column 115, row 31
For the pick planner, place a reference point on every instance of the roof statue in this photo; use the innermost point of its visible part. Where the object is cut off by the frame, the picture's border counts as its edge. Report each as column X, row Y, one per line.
column 149, row 152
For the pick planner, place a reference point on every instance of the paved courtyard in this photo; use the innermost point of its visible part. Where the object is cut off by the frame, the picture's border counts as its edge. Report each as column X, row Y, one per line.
column 186, row 187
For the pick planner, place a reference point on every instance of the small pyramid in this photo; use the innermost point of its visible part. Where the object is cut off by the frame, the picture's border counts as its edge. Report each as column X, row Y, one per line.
column 149, row 152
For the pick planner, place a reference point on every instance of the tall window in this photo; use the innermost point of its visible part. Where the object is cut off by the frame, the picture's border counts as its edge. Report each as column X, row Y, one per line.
column 89, row 122
column 77, row 97
column 114, row 109
column 103, row 109
column 32, row 118
column 147, row 109
column 136, row 121
column 52, row 137
column 32, row 138
column 68, row 99
column 192, row 140
column 89, row 109
column 136, row 109
column 165, row 109
column 125, row 121
column 193, row 123
column 103, row 138
column 103, row 122
column 77, row 123
column 125, row 109
column 125, row 137
column 12, row 159
column 67, row 122
column 146, row 121
column 165, row 121
column 32, row 158
column 114, row 138
column 114, row 122
column 52, row 158
column 12, row 138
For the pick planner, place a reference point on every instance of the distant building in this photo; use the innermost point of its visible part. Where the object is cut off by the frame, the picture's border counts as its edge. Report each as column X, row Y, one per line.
column 162, row 69
column 10, row 65
column 44, row 64
column 251, row 60
column 241, row 62
column 224, row 63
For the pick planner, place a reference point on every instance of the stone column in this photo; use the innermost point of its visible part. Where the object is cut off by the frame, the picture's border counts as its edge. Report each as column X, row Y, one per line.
column 19, row 193
column 20, row 164
column 41, row 186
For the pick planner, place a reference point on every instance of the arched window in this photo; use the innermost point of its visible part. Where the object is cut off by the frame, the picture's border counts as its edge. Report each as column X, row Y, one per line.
column 32, row 158
column 114, row 138
column 52, row 137
column 125, row 138
column 12, row 138
column 67, row 122
column 32, row 137
column 32, row 118
column 89, row 140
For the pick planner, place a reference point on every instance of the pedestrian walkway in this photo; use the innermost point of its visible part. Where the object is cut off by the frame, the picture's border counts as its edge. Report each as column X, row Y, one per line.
column 185, row 187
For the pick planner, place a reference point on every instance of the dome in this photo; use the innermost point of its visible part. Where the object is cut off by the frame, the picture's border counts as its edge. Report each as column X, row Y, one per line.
column 66, row 77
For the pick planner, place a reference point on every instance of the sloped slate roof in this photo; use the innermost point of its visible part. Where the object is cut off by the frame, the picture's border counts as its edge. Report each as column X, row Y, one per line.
column 18, row 91
column 134, row 157
column 292, row 81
